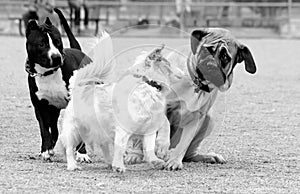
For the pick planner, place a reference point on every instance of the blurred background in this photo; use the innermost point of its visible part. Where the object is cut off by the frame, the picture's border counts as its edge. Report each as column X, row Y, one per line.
column 170, row 18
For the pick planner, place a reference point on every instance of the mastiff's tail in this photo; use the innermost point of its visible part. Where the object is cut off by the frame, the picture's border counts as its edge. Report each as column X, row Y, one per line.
column 73, row 42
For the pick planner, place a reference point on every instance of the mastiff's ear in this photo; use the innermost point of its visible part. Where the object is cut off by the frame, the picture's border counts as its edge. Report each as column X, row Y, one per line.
column 244, row 54
column 32, row 25
column 196, row 37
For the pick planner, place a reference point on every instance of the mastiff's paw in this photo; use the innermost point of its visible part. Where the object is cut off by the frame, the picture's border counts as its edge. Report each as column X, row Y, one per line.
column 83, row 158
column 218, row 158
column 211, row 158
column 173, row 164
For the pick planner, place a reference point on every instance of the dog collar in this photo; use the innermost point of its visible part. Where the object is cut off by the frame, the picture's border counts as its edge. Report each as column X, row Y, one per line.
column 152, row 83
column 198, row 81
column 37, row 74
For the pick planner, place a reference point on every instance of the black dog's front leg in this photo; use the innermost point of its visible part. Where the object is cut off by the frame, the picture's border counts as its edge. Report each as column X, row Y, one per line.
column 54, row 114
column 43, row 116
column 47, row 117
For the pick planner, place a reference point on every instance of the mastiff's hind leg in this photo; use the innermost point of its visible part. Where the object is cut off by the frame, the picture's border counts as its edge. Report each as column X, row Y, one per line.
column 192, row 154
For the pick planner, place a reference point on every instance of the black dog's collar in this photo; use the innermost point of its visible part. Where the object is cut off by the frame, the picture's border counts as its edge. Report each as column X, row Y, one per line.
column 32, row 73
column 198, row 81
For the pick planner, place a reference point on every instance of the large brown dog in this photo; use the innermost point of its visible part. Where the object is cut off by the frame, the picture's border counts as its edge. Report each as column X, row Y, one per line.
column 194, row 95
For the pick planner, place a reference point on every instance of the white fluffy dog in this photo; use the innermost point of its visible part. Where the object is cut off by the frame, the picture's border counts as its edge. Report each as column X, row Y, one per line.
column 102, row 112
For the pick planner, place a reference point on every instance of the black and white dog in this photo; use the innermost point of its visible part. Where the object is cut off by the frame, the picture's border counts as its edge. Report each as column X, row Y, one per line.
column 49, row 68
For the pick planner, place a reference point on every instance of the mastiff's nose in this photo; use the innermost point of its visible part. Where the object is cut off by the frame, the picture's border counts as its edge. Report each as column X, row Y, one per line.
column 56, row 59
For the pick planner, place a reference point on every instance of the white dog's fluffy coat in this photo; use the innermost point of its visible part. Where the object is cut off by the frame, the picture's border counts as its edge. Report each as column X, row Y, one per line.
column 102, row 112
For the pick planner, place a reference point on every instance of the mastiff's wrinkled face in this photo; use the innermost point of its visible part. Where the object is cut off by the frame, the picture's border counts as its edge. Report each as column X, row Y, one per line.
column 44, row 44
column 215, row 53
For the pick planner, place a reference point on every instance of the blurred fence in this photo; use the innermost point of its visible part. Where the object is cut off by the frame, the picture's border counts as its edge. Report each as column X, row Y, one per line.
column 187, row 13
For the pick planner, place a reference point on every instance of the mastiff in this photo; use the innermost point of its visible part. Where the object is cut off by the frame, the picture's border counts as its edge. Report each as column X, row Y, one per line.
column 207, row 69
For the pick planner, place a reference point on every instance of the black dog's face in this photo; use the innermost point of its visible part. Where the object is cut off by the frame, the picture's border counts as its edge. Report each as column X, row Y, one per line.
column 216, row 49
column 44, row 45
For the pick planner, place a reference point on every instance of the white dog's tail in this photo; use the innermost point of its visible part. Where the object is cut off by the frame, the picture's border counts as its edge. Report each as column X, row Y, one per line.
column 100, row 70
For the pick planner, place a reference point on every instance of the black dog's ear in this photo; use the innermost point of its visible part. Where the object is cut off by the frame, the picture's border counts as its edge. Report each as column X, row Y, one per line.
column 244, row 54
column 196, row 37
column 48, row 21
column 32, row 24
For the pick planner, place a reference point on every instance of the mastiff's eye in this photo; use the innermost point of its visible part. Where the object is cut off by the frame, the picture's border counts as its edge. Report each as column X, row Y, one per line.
column 224, row 57
column 211, row 50
column 42, row 45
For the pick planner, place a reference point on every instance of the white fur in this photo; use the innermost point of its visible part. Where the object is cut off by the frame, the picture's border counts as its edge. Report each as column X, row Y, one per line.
column 51, row 87
column 112, row 112
column 53, row 50
column 102, row 66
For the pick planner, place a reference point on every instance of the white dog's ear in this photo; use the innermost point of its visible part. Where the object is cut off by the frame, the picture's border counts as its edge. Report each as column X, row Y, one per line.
column 244, row 54
column 196, row 37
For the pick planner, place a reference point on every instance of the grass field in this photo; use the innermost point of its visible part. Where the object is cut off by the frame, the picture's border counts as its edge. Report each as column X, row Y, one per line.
column 259, row 134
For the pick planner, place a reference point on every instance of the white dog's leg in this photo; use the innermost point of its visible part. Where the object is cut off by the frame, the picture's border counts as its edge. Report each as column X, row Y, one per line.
column 149, row 152
column 71, row 162
column 120, row 143
column 73, row 139
column 70, row 138
column 162, row 143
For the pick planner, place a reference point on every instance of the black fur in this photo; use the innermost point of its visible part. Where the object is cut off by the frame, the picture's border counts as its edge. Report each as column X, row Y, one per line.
column 37, row 45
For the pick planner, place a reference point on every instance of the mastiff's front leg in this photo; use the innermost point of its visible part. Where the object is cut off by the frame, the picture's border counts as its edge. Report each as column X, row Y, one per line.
column 190, row 126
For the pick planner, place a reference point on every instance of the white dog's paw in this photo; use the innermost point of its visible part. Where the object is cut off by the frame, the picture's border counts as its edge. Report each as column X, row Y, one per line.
column 120, row 168
column 133, row 158
column 46, row 155
column 162, row 151
column 83, row 158
column 73, row 167
column 158, row 164
column 173, row 164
